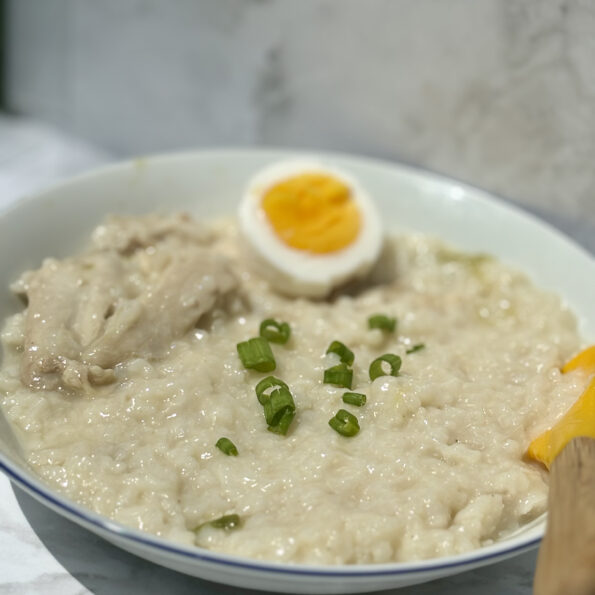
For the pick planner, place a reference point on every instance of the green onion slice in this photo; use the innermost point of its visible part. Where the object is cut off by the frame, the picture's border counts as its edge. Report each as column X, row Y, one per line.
column 345, row 354
column 339, row 375
column 275, row 332
column 264, row 385
column 279, row 406
column 256, row 354
column 226, row 446
column 279, row 410
column 278, row 403
column 227, row 522
column 377, row 369
column 344, row 423
column 382, row 322
column 284, row 423
column 416, row 347
column 357, row 399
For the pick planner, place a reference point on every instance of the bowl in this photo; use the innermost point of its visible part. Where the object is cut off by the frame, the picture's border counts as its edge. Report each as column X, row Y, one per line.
column 208, row 183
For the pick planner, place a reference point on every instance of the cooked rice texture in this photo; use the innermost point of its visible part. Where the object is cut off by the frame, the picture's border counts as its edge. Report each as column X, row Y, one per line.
column 436, row 469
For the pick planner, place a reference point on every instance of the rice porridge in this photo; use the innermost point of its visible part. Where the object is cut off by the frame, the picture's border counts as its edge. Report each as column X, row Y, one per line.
column 122, row 373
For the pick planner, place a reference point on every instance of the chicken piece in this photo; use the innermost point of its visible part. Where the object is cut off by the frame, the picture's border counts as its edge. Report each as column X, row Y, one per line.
column 49, row 341
column 68, row 304
column 145, row 326
column 103, row 281
column 87, row 314
column 125, row 234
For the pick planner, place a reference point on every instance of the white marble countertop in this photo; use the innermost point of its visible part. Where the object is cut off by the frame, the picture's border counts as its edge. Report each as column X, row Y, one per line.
column 41, row 552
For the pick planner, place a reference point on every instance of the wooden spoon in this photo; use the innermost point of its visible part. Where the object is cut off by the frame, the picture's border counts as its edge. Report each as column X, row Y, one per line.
column 566, row 561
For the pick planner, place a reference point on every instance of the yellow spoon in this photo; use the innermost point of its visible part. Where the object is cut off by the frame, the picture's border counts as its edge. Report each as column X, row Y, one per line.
column 578, row 421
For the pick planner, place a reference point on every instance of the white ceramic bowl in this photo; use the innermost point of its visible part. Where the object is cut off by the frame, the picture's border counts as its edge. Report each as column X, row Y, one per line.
column 57, row 221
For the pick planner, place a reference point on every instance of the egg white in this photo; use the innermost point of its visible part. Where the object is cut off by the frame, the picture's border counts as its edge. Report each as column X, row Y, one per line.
column 298, row 272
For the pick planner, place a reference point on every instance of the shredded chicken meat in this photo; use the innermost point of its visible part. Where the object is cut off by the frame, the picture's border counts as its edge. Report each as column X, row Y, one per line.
column 142, row 283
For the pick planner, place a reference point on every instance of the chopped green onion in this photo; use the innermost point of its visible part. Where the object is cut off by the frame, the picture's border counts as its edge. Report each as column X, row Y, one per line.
column 284, row 423
column 227, row 522
column 278, row 403
column 265, row 384
column 344, row 423
column 279, row 409
column 275, row 332
column 279, row 406
column 357, row 399
column 339, row 375
column 256, row 354
column 376, row 367
column 345, row 354
column 416, row 347
column 226, row 446
column 382, row 322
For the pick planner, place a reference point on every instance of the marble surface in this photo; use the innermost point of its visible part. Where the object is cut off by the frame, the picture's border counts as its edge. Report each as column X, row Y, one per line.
column 40, row 552
column 498, row 93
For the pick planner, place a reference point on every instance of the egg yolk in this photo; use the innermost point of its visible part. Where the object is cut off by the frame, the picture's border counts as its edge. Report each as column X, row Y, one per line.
column 313, row 212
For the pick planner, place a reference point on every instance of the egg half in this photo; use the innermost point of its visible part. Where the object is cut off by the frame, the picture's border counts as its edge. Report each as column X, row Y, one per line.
column 311, row 227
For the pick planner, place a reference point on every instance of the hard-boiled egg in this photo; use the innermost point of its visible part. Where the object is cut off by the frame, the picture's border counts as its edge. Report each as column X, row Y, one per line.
column 311, row 227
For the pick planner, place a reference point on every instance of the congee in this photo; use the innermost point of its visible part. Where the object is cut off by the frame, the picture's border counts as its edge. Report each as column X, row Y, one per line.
column 159, row 378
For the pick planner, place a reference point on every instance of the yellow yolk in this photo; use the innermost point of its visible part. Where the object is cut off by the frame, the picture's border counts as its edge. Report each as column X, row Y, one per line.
column 313, row 212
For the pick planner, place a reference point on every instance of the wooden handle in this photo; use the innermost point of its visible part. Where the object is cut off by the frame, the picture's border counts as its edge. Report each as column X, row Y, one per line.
column 566, row 561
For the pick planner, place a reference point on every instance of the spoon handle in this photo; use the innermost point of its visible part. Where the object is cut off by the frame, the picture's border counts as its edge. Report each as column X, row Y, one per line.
column 566, row 561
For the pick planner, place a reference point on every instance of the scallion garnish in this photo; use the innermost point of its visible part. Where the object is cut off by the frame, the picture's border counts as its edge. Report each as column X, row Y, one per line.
column 345, row 354
column 283, row 424
column 344, row 423
column 382, row 322
column 264, row 385
column 357, row 399
column 339, row 375
column 377, row 366
column 416, row 347
column 226, row 446
column 256, row 354
column 275, row 332
column 279, row 401
column 227, row 522
column 279, row 406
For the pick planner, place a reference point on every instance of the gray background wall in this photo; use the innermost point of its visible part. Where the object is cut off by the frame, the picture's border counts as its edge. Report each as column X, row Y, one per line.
column 500, row 93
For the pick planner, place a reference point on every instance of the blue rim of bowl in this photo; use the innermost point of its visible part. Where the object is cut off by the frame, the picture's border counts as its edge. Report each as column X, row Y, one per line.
column 478, row 557
column 74, row 512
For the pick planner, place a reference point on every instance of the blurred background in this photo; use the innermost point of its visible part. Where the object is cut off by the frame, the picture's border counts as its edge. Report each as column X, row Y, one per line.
column 498, row 93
